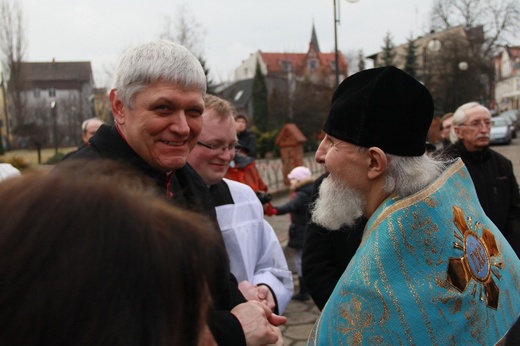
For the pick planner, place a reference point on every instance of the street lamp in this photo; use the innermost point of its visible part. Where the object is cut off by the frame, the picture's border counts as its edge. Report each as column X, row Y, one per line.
column 336, row 21
column 434, row 45
column 463, row 66
column 55, row 125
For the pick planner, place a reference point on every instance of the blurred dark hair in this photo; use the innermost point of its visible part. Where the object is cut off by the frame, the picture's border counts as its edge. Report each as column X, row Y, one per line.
column 241, row 116
column 98, row 259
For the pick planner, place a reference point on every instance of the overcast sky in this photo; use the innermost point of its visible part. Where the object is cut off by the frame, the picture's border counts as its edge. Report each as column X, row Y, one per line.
column 101, row 30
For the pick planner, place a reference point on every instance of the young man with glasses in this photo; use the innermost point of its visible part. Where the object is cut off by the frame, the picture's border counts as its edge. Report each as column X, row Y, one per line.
column 256, row 256
column 491, row 172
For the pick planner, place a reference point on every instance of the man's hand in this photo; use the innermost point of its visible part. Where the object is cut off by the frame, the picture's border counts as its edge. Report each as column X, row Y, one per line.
column 258, row 323
column 261, row 293
column 266, row 296
column 280, row 337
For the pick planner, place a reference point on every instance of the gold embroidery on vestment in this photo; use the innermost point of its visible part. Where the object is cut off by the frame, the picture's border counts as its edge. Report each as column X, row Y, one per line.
column 475, row 262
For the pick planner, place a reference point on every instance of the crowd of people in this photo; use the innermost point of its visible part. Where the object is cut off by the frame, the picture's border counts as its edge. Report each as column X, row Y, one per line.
column 154, row 232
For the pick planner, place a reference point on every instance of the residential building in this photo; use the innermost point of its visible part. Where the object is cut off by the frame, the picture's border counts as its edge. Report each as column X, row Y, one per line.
column 450, row 64
column 57, row 97
column 313, row 64
column 507, row 78
column 283, row 72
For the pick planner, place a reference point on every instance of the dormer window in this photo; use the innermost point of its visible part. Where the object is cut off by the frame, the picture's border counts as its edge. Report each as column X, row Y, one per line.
column 238, row 95
column 286, row 66
column 313, row 64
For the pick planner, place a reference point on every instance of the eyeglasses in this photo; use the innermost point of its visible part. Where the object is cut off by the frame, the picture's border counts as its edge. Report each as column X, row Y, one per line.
column 235, row 147
column 478, row 124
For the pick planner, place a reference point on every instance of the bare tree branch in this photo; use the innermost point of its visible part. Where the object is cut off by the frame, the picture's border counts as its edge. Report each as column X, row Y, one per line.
column 185, row 29
column 13, row 45
column 499, row 18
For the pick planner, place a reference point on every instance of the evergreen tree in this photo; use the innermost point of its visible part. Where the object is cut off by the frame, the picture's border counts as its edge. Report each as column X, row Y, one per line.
column 278, row 108
column 210, row 86
column 260, row 102
column 361, row 60
column 388, row 54
column 411, row 59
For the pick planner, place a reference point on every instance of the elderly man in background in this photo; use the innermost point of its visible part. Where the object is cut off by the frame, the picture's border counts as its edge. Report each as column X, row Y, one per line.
column 157, row 101
column 431, row 268
column 88, row 129
column 491, row 172
column 256, row 256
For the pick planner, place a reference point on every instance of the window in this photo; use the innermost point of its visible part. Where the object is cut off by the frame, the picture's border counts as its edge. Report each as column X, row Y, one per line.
column 313, row 64
column 238, row 95
column 36, row 93
column 52, row 92
column 286, row 66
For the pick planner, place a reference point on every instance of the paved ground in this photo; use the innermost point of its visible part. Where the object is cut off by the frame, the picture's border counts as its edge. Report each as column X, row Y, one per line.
column 300, row 315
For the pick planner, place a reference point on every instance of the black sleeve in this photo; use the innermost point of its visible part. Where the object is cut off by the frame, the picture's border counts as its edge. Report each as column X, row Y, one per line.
column 192, row 193
column 226, row 329
column 513, row 214
column 299, row 201
column 325, row 256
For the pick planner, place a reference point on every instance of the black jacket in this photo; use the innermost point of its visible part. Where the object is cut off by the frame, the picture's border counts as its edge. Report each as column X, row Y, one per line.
column 497, row 189
column 186, row 189
column 326, row 254
column 298, row 207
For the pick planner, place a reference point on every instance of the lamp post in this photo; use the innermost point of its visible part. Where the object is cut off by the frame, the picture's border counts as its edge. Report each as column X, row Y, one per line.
column 336, row 53
column 54, row 114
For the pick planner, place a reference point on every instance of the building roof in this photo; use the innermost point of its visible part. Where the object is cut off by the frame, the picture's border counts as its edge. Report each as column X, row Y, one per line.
column 275, row 61
column 290, row 135
column 314, row 40
column 80, row 71
column 238, row 93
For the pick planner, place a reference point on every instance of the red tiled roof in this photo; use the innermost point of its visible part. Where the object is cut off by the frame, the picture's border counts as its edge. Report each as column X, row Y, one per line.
column 298, row 61
column 274, row 61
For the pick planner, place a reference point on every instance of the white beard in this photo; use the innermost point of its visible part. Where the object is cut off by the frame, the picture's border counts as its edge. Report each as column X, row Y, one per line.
column 337, row 205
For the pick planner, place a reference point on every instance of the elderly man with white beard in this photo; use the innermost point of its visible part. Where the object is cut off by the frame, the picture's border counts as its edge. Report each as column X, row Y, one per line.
column 431, row 268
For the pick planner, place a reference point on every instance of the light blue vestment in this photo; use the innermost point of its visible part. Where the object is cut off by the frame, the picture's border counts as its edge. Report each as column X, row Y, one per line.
column 432, row 269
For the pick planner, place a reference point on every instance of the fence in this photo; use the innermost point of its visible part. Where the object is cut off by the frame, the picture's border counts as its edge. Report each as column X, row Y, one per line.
column 271, row 171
